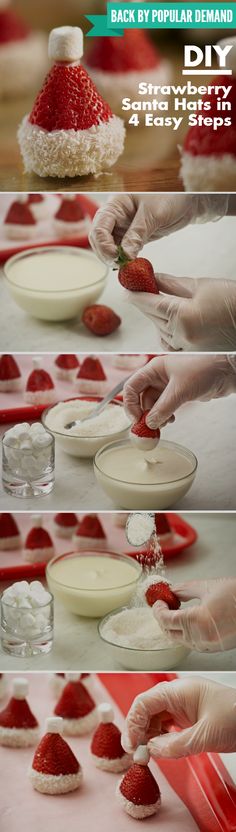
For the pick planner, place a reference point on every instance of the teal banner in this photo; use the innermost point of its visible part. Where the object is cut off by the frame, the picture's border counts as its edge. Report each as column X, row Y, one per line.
column 123, row 15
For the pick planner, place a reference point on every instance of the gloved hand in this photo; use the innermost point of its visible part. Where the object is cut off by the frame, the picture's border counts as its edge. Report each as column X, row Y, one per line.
column 167, row 382
column 209, row 626
column 204, row 710
column 193, row 314
column 135, row 219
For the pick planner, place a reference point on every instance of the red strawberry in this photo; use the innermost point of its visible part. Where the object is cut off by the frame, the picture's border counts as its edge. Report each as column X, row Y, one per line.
column 90, row 526
column 162, row 524
column 133, row 52
column 100, row 319
column 70, row 211
column 38, row 538
column 34, row 199
column 67, row 362
column 54, row 756
column 106, row 742
column 75, row 702
column 39, row 379
column 12, row 28
column 91, row 368
column 66, row 519
column 8, row 525
column 136, row 275
column 69, row 101
column 8, row 368
column 161, row 591
column 19, row 213
column 139, row 786
column 17, row 714
column 142, row 429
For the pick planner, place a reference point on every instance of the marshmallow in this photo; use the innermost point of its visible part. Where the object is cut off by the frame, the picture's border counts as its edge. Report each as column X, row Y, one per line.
column 66, row 44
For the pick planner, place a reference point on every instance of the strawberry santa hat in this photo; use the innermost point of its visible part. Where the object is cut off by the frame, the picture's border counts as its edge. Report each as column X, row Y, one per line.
column 106, row 749
column 10, row 374
column 38, row 545
column 90, row 533
column 19, row 222
column 91, row 377
column 18, row 725
column 10, row 537
column 76, row 706
column 118, row 64
column 208, row 158
column 138, row 792
column 144, row 437
column 70, row 218
column 65, row 524
column 23, row 53
column 66, row 366
column 3, row 685
column 39, row 386
column 55, row 769
column 71, row 130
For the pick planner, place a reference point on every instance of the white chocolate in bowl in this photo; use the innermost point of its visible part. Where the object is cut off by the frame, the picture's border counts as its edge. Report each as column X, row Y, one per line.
column 134, row 483
column 93, row 584
column 55, row 284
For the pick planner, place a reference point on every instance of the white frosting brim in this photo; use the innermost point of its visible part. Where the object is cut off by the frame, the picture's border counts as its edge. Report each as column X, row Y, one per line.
column 71, row 152
column 114, row 86
column 84, row 385
column 208, row 173
column 64, row 531
column 22, row 64
column 117, row 765
column 10, row 542
column 74, row 727
column 18, row 737
column 89, row 542
column 55, row 784
column 138, row 812
column 12, row 384
column 66, row 375
column 15, row 231
column 38, row 555
column 40, row 397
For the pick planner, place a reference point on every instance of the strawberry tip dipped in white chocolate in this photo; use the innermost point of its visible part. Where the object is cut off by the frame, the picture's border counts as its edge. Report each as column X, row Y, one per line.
column 70, row 219
column 91, row 377
column 208, row 156
column 77, row 707
column 65, row 524
column 19, row 222
column 144, row 437
column 55, row 769
column 106, row 749
column 66, row 367
column 70, row 131
column 90, row 533
column 10, row 374
column 38, row 545
column 10, row 537
column 39, row 386
column 18, row 725
column 138, row 792
column 23, row 54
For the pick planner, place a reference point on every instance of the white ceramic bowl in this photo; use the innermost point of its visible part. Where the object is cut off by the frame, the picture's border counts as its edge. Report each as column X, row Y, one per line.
column 52, row 303
column 92, row 603
column 83, row 446
column 154, row 496
column 131, row 658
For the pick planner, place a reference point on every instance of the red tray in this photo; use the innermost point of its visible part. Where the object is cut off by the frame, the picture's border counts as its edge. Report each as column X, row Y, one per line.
column 186, row 535
column 82, row 242
column 202, row 782
column 28, row 571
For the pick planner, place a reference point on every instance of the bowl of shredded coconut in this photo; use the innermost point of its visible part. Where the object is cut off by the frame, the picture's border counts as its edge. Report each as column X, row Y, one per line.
column 85, row 439
column 136, row 641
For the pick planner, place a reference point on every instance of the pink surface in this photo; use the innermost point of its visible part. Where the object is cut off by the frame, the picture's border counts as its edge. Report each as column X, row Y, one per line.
column 94, row 806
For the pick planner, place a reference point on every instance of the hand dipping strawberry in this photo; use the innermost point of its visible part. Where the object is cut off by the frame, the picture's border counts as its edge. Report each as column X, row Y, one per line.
column 146, row 438
column 136, row 275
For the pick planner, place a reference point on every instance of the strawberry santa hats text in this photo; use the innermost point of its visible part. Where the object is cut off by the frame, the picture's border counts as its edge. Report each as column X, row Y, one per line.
column 18, row 725
column 71, row 130
column 138, row 792
column 106, row 749
column 55, row 769
column 23, row 54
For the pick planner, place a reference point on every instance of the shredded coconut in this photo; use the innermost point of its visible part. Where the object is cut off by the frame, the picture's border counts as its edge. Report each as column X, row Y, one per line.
column 112, row 420
column 135, row 628
column 139, row 528
column 208, row 173
column 55, row 784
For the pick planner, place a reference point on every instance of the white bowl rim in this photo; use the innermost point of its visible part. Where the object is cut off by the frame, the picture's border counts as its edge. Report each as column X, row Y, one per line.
column 163, row 442
column 75, row 250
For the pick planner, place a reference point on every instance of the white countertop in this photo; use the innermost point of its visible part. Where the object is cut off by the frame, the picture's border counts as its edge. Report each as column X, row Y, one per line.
column 204, row 250
column 77, row 644
column 206, row 428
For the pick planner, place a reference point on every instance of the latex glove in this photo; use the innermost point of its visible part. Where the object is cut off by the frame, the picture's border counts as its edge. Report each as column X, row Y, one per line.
column 135, row 219
column 208, row 626
column 193, row 314
column 204, row 710
column 167, row 382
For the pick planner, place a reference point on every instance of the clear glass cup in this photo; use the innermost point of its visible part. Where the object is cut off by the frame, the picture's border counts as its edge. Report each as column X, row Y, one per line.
column 27, row 631
column 28, row 472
